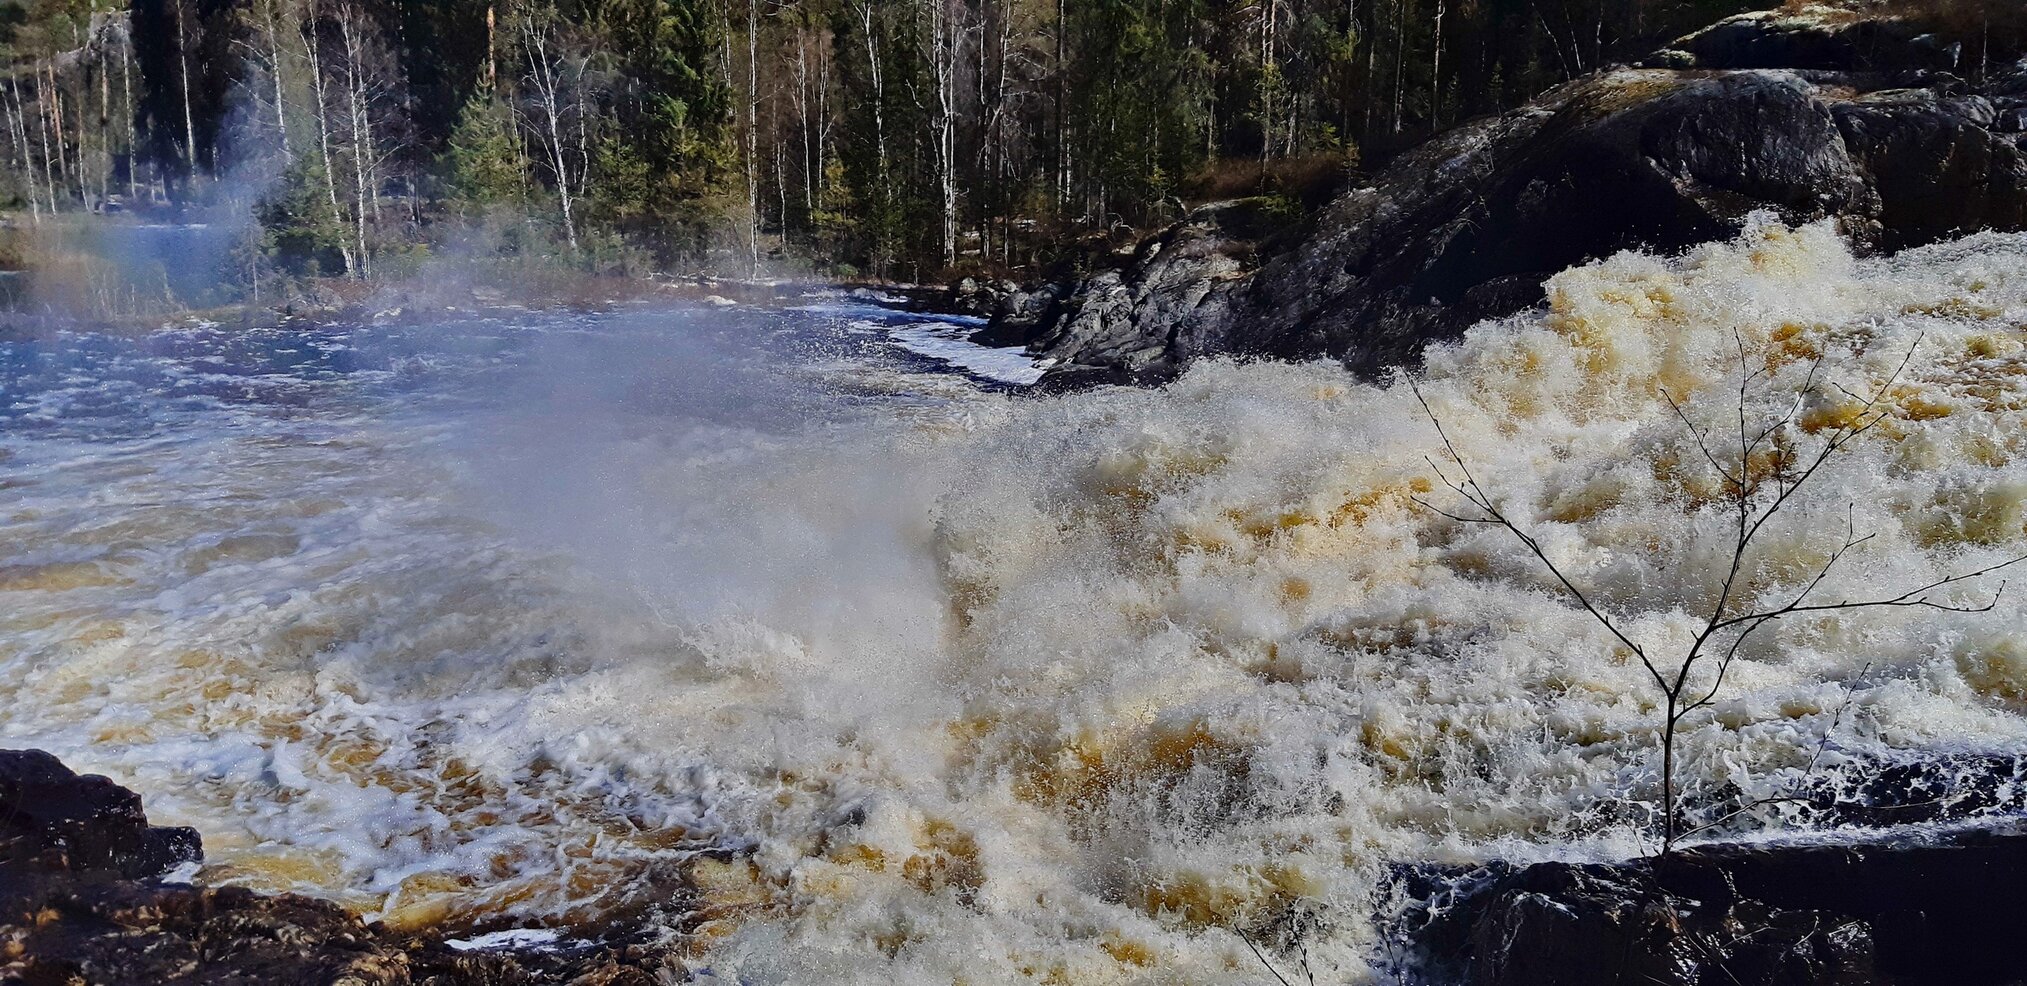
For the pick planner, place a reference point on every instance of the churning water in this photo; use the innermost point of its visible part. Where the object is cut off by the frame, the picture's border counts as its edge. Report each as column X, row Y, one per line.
column 890, row 676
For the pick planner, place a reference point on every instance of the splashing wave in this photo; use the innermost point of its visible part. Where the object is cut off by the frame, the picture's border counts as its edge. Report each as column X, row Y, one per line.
column 995, row 688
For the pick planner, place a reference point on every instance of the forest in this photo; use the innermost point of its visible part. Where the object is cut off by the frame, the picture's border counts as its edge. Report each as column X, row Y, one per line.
column 893, row 139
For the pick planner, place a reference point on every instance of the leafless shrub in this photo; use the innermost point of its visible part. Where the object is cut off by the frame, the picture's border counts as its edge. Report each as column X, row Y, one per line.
column 1762, row 471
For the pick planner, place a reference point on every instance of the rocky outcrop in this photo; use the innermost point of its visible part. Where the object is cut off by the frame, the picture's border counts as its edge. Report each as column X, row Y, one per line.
column 81, row 905
column 1914, row 911
column 974, row 297
column 1860, row 125
column 1020, row 314
column 53, row 819
column 1126, row 323
column 1812, row 37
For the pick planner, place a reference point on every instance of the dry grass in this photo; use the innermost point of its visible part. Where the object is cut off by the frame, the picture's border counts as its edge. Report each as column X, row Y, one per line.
column 1308, row 178
column 1992, row 32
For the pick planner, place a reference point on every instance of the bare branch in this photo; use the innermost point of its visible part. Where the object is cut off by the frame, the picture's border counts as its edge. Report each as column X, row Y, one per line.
column 1432, row 508
column 1754, row 507
column 1916, row 597
column 1276, row 973
column 1697, row 434
column 1479, row 499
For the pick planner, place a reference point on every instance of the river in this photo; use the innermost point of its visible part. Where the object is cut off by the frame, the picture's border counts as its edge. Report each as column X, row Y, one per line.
column 803, row 629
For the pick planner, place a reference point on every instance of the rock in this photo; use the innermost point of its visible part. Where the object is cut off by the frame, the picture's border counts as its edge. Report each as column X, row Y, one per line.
column 1939, row 164
column 1167, row 303
column 1467, row 226
column 1947, row 787
column 77, row 907
column 1913, row 910
column 970, row 296
column 136, row 933
column 1811, row 36
column 1020, row 316
column 51, row 816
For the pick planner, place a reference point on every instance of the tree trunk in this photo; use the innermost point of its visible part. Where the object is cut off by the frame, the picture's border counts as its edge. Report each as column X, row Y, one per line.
column 127, row 103
column 56, row 125
column 1436, row 70
column 753, row 134
column 942, row 67
column 361, row 128
column 1062, row 105
column 274, row 38
column 886, row 191
column 313, row 49
column 183, row 68
column 542, row 72
column 1400, row 57
column 492, row 59
column 42, row 127
column 105, row 130
column 19, row 122
column 1271, row 15
column 802, row 111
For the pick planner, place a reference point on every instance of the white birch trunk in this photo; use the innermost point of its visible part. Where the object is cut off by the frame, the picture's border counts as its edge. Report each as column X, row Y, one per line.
column 361, row 129
column 313, row 49
column 542, row 73
column 753, row 134
column 183, row 69
column 18, row 122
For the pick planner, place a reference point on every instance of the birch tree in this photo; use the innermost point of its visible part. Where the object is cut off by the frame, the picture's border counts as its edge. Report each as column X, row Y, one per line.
column 550, row 73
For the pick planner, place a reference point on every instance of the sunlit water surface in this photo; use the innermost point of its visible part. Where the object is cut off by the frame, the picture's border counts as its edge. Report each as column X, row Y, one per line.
column 870, row 669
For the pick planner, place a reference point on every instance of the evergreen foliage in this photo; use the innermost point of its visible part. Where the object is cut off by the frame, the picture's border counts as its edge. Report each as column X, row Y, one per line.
column 890, row 137
column 482, row 168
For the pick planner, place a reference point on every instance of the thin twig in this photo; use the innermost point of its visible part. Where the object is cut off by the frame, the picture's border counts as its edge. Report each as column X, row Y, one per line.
column 1786, row 476
column 1276, row 973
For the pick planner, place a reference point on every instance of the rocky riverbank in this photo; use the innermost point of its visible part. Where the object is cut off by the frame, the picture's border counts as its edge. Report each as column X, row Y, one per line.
column 1935, row 909
column 1822, row 113
column 90, row 896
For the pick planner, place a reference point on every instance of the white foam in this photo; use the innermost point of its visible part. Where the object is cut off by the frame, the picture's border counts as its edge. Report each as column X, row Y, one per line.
column 948, row 342
column 1011, row 689
column 512, row 939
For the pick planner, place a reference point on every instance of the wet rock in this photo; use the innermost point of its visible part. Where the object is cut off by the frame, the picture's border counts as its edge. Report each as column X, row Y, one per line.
column 1925, row 909
column 1021, row 316
column 77, row 908
column 1938, row 788
column 55, row 818
column 975, row 297
column 139, row 933
column 1939, row 164
column 1168, row 302
column 1847, row 124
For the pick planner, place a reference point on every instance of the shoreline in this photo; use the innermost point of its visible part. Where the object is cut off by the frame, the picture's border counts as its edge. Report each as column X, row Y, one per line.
column 411, row 299
column 91, row 892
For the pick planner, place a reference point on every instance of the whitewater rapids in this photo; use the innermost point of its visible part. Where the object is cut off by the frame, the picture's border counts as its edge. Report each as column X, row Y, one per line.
column 959, row 685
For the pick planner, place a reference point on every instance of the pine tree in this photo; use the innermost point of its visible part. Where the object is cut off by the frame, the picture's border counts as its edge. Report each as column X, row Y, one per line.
column 482, row 169
column 301, row 233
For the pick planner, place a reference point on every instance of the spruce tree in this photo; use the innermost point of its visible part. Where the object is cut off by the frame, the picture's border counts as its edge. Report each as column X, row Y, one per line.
column 481, row 168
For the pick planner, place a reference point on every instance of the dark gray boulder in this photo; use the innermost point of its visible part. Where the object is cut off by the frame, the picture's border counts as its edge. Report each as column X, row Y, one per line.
column 53, row 817
column 1812, row 37
column 975, row 297
column 1938, row 161
column 1167, row 303
column 79, row 905
column 1020, row 314
column 1930, row 908
column 1467, row 226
